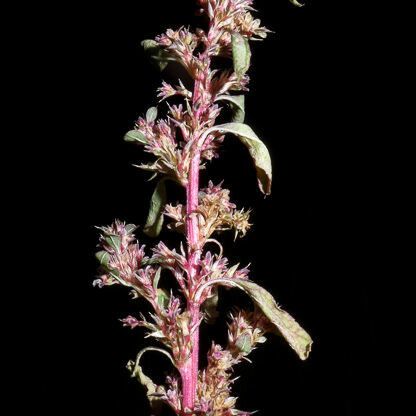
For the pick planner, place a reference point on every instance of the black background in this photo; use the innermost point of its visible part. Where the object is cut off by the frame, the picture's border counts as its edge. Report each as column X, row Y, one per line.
column 313, row 241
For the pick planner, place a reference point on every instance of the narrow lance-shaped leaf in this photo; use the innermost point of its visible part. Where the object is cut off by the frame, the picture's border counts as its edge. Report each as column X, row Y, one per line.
column 257, row 149
column 238, row 106
column 154, row 392
column 241, row 54
column 154, row 221
column 294, row 334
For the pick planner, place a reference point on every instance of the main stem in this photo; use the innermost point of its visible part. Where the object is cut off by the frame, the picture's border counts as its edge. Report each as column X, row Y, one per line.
column 189, row 372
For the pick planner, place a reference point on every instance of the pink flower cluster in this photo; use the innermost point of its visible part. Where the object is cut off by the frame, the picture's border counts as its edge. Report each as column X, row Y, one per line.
column 125, row 263
column 215, row 213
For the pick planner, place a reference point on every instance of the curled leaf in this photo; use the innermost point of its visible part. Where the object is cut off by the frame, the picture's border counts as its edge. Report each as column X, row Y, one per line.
column 294, row 334
column 238, row 106
column 241, row 54
column 154, row 392
column 257, row 149
column 154, row 221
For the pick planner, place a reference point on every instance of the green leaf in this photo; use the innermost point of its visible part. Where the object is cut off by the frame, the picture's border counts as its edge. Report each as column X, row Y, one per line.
column 241, row 54
column 296, row 3
column 103, row 257
column 151, row 114
column 243, row 343
column 154, row 221
column 238, row 106
column 157, row 54
column 163, row 298
column 135, row 136
column 114, row 241
column 257, row 149
column 294, row 334
column 154, row 392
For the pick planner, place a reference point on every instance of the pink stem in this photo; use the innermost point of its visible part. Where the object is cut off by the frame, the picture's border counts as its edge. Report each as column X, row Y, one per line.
column 189, row 371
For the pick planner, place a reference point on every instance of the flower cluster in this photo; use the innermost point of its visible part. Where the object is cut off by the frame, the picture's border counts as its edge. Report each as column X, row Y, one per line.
column 160, row 140
column 181, row 44
column 124, row 261
column 173, row 394
column 120, row 257
column 216, row 267
column 226, row 81
column 172, row 327
column 215, row 213
column 231, row 16
column 167, row 90
column 214, row 385
column 170, row 140
column 175, row 262
column 245, row 330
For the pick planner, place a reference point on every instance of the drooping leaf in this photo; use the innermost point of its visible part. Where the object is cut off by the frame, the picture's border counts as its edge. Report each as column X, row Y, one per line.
column 238, row 106
column 294, row 334
column 151, row 114
column 157, row 54
column 257, row 149
column 241, row 54
column 154, row 392
column 135, row 136
column 154, row 221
